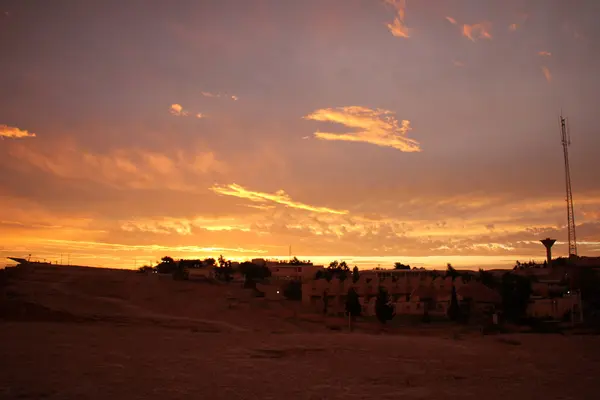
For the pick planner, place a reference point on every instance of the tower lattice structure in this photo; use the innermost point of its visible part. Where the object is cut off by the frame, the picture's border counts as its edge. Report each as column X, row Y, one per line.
column 566, row 142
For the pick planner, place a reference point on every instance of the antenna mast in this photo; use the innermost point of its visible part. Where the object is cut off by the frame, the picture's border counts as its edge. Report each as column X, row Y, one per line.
column 566, row 142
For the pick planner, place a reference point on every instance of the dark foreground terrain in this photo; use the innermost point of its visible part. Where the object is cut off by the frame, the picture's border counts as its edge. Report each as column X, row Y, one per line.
column 86, row 334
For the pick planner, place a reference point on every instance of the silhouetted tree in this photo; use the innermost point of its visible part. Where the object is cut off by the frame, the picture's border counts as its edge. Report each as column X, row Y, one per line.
column 253, row 273
column 166, row 266
column 180, row 271
column 295, row 261
column 454, row 309
column 355, row 274
column 384, row 310
column 209, row 262
column 319, row 274
column 399, row 265
column 293, row 290
column 515, row 290
column 224, row 271
column 452, row 272
column 325, row 302
column 338, row 269
column 353, row 307
column 145, row 269
column 487, row 279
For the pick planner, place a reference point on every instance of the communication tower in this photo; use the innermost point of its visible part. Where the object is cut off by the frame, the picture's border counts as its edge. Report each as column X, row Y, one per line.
column 566, row 142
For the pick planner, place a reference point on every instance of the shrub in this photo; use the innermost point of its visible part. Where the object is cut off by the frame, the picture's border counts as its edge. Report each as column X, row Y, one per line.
column 293, row 291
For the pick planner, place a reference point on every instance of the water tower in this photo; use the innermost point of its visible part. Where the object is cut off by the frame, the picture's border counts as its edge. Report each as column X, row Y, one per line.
column 548, row 243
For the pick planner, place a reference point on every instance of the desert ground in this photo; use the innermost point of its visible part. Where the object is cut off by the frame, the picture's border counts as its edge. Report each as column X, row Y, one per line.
column 78, row 333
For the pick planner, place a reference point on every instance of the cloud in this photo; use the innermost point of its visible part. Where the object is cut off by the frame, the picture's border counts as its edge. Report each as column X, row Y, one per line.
column 477, row 31
column 92, row 245
column 133, row 168
column 378, row 127
column 210, row 94
column 183, row 226
column 397, row 27
column 14, row 132
column 513, row 27
column 199, row 115
column 547, row 74
column 177, row 110
column 458, row 63
column 451, row 20
column 279, row 197
column 544, row 53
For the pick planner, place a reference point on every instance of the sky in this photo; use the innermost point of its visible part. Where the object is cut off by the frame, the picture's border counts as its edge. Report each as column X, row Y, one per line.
column 418, row 131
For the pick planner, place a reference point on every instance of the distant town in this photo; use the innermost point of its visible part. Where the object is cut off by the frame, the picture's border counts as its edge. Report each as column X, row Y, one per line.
column 561, row 290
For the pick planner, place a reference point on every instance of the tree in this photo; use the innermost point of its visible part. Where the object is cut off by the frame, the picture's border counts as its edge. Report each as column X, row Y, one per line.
column 487, row 279
column 180, row 272
column 145, row 269
column 353, row 307
column 355, row 275
column 209, row 262
column 166, row 266
column 295, row 261
column 325, row 302
column 339, row 269
column 454, row 309
column 399, row 265
column 253, row 273
column 452, row 272
column 384, row 310
column 293, row 290
column 224, row 271
column 515, row 290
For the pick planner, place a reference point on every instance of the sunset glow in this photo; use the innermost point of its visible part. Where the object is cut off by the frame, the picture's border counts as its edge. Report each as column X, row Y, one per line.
column 373, row 132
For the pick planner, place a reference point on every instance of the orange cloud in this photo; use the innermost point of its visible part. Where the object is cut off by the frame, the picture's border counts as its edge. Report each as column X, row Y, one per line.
column 177, row 110
column 130, row 168
column 235, row 98
column 378, row 127
column 279, row 197
column 199, row 115
column 397, row 27
column 477, row 31
column 451, row 20
column 547, row 74
column 14, row 132
column 513, row 27
column 94, row 246
column 544, row 53
column 167, row 225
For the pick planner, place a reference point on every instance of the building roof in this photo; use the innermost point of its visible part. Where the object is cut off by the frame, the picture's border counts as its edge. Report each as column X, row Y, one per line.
column 479, row 293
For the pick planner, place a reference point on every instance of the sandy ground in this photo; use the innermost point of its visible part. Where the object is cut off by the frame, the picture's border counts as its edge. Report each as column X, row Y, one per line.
column 80, row 334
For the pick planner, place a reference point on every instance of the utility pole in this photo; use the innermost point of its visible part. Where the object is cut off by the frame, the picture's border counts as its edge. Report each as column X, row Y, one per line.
column 566, row 142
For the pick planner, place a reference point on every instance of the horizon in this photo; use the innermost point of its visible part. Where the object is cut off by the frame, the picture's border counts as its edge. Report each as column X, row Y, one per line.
column 363, row 263
column 424, row 132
